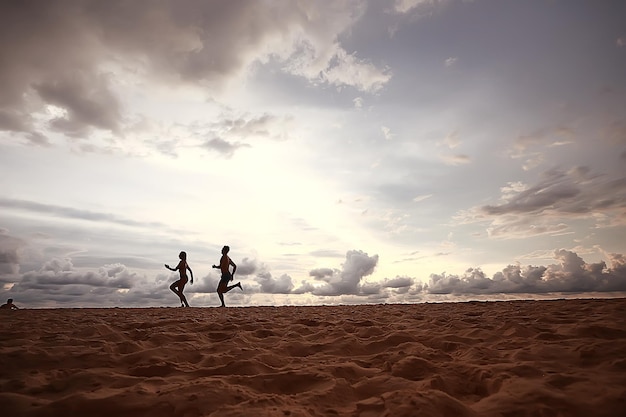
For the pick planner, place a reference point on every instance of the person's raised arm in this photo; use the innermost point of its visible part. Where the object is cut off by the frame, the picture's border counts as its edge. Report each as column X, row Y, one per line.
column 168, row 267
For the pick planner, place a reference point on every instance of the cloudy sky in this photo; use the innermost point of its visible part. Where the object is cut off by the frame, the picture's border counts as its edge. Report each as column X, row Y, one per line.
column 348, row 151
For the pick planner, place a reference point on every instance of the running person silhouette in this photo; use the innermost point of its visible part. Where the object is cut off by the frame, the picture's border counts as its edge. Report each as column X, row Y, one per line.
column 227, row 276
column 178, row 286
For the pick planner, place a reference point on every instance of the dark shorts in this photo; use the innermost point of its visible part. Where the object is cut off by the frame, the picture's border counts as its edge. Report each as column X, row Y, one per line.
column 226, row 278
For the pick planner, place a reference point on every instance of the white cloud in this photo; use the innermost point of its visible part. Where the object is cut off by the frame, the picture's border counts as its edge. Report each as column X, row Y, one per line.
column 423, row 6
column 421, row 198
column 387, row 133
column 450, row 62
column 451, row 140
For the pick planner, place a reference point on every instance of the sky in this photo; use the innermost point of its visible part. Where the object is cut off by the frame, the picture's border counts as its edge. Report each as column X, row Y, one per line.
column 348, row 152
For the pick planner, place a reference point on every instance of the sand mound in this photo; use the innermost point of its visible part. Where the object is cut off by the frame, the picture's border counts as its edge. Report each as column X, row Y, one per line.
column 518, row 358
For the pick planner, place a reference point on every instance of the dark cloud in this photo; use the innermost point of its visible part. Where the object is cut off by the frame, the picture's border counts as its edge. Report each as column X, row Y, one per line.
column 36, row 138
column 270, row 285
column 86, row 99
column 223, row 147
column 203, row 285
column 398, row 282
column 67, row 52
column 57, row 272
column 548, row 206
column 57, row 281
column 571, row 274
column 576, row 191
column 323, row 273
column 9, row 254
column 13, row 121
column 247, row 266
column 72, row 213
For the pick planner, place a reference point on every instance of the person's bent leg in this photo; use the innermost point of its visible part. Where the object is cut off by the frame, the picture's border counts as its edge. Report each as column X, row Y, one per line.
column 233, row 286
column 174, row 288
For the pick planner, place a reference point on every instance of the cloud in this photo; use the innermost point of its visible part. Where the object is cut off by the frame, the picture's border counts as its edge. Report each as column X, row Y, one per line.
column 515, row 227
column 450, row 62
column 547, row 206
column 9, row 254
column 452, row 140
column 248, row 266
column 59, row 272
column 454, row 160
column 387, row 133
column 87, row 102
column 72, row 213
column 347, row 280
column 571, row 274
column 347, row 69
column 326, row 253
column 270, row 285
column 230, row 134
column 78, row 55
column 422, row 6
column 543, row 138
column 323, row 273
column 576, row 191
column 59, row 282
column 422, row 198
column 246, row 127
column 223, row 147
column 398, row 282
column 546, row 137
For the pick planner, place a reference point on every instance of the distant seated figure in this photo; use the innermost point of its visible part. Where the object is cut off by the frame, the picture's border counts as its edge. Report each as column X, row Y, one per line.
column 9, row 305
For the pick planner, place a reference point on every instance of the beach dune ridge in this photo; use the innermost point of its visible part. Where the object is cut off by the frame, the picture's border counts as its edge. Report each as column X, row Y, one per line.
column 513, row 358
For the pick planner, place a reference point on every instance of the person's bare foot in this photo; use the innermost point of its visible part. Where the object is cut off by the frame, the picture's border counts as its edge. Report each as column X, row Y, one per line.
column 239, row 285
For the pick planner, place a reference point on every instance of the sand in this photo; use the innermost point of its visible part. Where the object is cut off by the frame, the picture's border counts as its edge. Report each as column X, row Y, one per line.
column 515, row 358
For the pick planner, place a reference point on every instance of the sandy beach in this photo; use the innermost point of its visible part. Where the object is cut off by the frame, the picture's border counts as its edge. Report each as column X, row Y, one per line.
column 515, row 358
